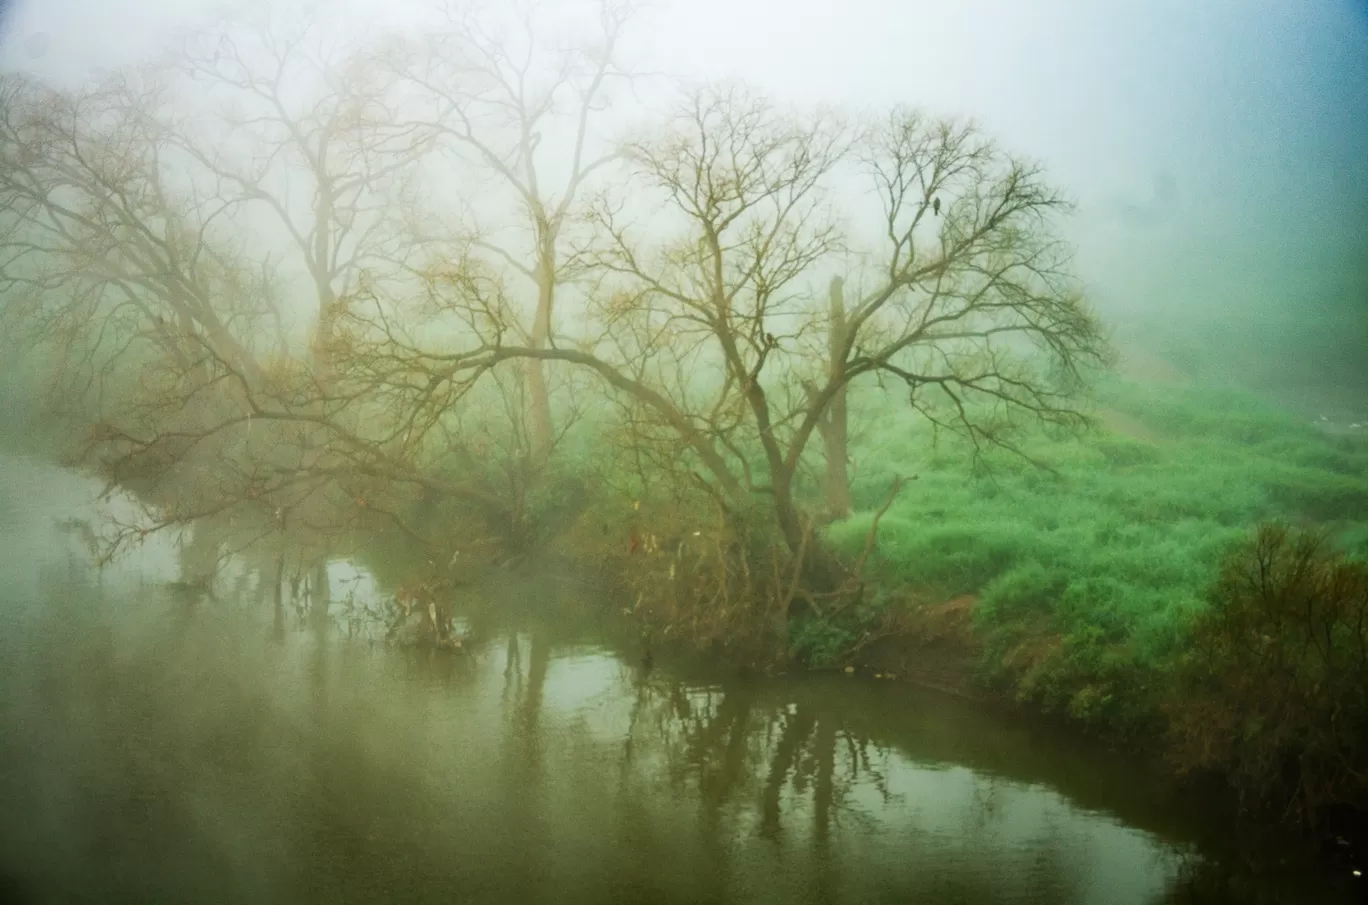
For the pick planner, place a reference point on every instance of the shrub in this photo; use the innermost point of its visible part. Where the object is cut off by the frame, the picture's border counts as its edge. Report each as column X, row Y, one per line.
column 1320, row 495
column 823, row 643
column 1274, row 693
column 688, row 573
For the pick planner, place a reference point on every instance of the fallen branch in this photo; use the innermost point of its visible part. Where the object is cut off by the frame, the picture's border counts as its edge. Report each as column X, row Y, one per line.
column 873, row 534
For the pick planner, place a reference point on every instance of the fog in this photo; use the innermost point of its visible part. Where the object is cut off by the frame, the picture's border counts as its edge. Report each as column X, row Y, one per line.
column 409, row 410
column 1218, row 151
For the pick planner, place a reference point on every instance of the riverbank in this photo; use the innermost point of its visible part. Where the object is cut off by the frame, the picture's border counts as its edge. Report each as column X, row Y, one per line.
column 940, row 658
column 1086, row 578
column 1070, row 593
column 1074, row 586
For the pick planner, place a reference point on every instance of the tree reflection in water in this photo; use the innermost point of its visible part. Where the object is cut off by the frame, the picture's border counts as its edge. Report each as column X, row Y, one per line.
column 792, row 777
column 156, row 759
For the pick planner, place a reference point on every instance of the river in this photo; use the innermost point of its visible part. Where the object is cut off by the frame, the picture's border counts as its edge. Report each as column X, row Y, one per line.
column 155, row 751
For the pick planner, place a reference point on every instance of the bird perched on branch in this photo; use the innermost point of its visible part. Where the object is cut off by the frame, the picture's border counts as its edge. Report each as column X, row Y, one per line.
column 935, row 206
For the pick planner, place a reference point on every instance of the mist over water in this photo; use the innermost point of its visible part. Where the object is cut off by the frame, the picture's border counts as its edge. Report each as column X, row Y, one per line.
column 159, row 750
column 356, row 324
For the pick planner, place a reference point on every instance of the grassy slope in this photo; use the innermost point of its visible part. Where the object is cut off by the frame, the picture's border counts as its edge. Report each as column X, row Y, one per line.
column 1086, row 579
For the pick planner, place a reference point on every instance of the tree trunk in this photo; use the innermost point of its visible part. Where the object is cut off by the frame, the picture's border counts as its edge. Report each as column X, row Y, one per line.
column 786, row 512
column 539, row 404
column 834, row 425
column 538, row 397
column 822, row 570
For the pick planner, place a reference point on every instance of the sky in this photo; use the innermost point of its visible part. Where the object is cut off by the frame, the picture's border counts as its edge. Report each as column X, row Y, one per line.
column 1218, row 151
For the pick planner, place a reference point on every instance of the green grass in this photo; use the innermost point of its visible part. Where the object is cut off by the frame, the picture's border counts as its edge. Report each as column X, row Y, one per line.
column 1087, row 579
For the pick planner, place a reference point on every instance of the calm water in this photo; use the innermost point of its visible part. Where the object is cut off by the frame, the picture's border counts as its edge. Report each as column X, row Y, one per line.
column 151, row 752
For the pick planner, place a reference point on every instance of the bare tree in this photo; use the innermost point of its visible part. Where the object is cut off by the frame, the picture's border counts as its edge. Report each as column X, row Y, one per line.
column 130, row 246
column 517, row 107
column 974, row 310
column 132, row 237
column 303, row 141
column 101, row 255
column 122, row 272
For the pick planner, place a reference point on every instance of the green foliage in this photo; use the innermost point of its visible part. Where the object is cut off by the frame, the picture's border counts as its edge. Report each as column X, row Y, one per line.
column 1089, row 576
column 947, row 557
column 822, row 643
column 1122, row 452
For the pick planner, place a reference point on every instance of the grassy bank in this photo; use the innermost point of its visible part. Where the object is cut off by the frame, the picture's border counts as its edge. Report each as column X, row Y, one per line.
column 1077, row 578
column 1086, row 578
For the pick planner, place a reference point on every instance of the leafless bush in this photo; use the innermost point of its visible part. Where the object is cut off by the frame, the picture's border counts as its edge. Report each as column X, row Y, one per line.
column 1275, row 691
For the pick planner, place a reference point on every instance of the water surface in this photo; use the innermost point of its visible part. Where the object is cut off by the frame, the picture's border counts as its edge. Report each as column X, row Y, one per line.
column 154, row 749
